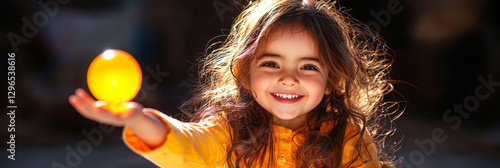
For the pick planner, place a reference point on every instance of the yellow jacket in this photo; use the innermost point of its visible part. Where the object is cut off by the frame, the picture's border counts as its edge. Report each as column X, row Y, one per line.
column 204, row 144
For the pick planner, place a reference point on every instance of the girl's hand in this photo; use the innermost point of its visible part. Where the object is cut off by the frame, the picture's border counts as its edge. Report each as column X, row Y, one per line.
column 91, row 109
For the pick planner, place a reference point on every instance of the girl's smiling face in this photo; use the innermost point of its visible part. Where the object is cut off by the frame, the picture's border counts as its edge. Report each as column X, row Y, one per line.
column 286, row 75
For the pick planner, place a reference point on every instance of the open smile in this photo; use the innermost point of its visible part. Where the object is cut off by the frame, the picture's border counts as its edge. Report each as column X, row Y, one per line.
column 287, row 98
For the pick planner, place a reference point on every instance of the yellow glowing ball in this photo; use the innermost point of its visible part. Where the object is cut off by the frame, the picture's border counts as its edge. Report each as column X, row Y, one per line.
column 114, row 77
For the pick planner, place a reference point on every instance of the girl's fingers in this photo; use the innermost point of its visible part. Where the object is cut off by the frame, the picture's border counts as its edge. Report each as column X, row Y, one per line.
column 98, row 104
column 82, row 93
column 77, row 103
column 86, row 106
column 91, row 109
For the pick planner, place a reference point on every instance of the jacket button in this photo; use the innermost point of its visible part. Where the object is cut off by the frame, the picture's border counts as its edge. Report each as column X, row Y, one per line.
column 281, row 161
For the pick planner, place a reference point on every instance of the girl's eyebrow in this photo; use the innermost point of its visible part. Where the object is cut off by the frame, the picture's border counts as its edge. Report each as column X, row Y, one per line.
column 269, row 55
column 310, row 58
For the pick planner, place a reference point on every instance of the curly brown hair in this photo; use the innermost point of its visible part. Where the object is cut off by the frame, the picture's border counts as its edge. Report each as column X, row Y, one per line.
column 357, row 62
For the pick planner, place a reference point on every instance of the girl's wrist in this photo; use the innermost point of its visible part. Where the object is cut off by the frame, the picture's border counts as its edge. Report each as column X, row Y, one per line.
column 137, row 119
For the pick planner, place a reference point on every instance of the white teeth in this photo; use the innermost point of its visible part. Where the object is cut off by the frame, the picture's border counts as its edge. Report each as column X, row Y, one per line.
column 286, row 96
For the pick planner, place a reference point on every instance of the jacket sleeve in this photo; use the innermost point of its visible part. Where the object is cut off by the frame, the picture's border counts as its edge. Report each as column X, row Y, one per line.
column 367, row 154
column 187, row 144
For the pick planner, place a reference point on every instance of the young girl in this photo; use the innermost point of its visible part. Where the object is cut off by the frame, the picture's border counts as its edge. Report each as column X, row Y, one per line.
column 295, row 84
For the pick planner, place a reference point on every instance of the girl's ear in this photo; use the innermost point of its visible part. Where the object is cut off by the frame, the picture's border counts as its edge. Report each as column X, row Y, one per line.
column 236, row 71
column 241, row 75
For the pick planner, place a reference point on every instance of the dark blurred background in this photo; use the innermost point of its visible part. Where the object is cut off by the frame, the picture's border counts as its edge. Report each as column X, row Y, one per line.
column 443, row 51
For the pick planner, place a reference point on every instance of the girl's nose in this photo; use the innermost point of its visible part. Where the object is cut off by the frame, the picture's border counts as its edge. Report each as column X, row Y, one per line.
column 289, row 79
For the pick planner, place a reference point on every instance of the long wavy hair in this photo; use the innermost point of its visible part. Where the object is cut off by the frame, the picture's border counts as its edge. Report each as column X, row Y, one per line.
column 357, row 62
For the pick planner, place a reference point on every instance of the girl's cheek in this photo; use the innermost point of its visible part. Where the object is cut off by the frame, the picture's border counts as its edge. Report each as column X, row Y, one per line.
column 316, row 83
column 262, row 78
column 315, row 78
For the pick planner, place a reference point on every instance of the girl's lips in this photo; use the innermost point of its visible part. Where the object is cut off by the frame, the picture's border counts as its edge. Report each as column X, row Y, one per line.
column 287, row 98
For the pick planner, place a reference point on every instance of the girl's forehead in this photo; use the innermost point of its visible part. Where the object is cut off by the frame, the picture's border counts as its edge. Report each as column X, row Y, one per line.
column 287, row 32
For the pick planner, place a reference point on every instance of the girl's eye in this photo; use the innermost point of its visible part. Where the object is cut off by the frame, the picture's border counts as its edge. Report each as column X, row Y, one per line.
column 270, row 64
column 309, row 67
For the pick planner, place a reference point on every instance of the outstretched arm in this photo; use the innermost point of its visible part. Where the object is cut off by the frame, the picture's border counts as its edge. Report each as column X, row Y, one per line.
column 146, row 126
